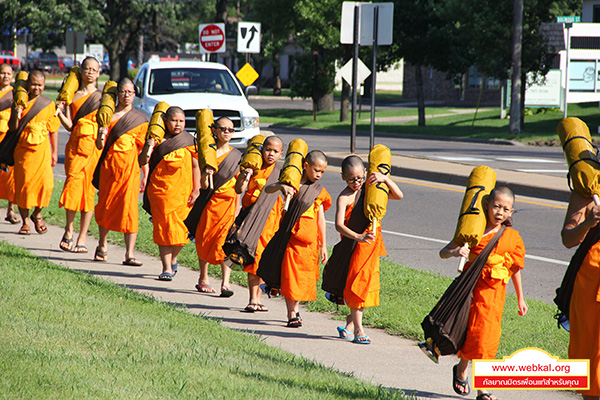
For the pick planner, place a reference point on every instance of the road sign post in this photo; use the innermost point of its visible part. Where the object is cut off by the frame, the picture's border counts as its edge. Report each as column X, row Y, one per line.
column 75, row 42
column 212, row 38
column 568, row 21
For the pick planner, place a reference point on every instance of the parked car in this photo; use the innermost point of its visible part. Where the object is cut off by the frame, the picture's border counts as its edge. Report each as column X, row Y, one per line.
column 47, row 62
column 194, row 85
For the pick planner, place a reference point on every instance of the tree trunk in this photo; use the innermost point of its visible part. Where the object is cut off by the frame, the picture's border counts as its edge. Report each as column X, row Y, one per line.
column 221, row 9
column 344, row 101
column 523, row 88
column 324, row 101
column 140, row 51
column 515, row 100
column 123, row 58
column 276, row 74
column 420, row 94
column 113, row 58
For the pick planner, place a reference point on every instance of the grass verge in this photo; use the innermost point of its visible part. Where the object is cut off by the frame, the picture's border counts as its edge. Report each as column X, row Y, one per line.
column 83, row 337
column 540, row 126
column 399, row 313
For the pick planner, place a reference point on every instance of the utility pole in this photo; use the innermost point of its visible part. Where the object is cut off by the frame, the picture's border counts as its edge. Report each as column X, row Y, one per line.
column 515, row 91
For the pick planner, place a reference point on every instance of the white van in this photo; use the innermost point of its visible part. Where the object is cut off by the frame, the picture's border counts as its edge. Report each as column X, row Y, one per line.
column 194, row 85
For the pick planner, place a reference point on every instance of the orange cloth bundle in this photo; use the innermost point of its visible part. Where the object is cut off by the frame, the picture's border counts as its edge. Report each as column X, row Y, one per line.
column 156, row 129
column 207, row 147
column 107, row 104
column 70, row 86
column 21, row 94
column 581, row 156
column 472, row 220
column 376, row 196
column 291, row 173
column 252, row 157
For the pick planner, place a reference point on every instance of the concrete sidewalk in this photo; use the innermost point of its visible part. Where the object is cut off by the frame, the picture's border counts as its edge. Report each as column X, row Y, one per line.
column 390, row 361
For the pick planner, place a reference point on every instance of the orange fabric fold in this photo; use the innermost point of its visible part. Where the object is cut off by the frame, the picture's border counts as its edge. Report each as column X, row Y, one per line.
column 485, row 315
column 33, row 175
column 81, row 157
column 300, row 266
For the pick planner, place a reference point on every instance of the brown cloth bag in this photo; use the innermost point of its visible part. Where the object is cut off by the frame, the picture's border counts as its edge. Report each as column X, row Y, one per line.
column 269, row 268
column 335, row 273
column 446, row 324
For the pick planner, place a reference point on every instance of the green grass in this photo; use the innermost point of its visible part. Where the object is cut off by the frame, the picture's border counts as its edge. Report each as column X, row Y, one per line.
column 539, row 126
column 398, row 313
column 66, row 334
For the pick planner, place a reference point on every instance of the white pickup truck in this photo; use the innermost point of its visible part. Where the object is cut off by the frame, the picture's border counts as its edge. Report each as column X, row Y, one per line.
column 194, row 85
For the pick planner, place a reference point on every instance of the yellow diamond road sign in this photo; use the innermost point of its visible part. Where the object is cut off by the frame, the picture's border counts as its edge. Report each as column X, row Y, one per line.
column 247, row 75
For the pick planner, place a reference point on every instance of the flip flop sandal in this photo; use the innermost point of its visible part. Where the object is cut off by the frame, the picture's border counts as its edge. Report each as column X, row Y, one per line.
column 25, row 230
column 484, row 396
column 165, row 276
column 12, row 219
column 362, row 340
column 132, row 262
column 461, row 383
column 294, row 322
column 69, row 242
column 100, row 255
column 261, row 308
column 344, row 333
column 174, row 269
column 226, row 292
column 40, row 225
column 80, row 249
column 250, row 308
column 204, row 288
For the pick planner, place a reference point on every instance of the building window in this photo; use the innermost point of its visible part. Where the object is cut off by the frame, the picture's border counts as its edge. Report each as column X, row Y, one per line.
column 596, row 16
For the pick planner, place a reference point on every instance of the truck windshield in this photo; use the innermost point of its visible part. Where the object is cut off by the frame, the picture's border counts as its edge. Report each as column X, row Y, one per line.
column 196, row 80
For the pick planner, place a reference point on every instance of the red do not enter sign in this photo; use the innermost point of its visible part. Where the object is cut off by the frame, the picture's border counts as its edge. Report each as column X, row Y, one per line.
column 212, row 38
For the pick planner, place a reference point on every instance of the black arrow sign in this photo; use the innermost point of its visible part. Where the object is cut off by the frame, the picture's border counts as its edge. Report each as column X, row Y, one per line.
column 243, row 32
column 253, row 31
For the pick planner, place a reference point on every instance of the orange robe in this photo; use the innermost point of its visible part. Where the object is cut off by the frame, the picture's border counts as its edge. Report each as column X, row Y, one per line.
column 34, row 179
column 81, row 158
column 300, row 266
column 7, row 179
column 255, row 187
column 169, row 188
column 584, row 317
column 485, row 315
column 362, row 284
column 215, row 221
column 119, row 185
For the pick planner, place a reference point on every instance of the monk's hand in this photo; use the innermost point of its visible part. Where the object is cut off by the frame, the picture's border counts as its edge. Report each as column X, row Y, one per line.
column 19, row 111
column 60, row 107
column 323, row 255
column 209, row 170
column 193, row 197
column 287, row 190
column 248, row 173
column 593, row 217
column 102, row 132
column 367, row 237
column 463, row 251
column 54, row 159
column 522, row 307
column 375, row 177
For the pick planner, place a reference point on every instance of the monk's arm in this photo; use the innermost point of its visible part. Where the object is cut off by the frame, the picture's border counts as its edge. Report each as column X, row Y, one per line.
column 54, row 143
column 453, row 250
column 241, row 184
column 13, row 122
column 65, row 117
column 516, row 278
column 395, row 192
column 322, row 233
column 580, row 218
column 204, row 177
column 196, row 178
column 340, row 213
column 144, row 180
column 285, row 189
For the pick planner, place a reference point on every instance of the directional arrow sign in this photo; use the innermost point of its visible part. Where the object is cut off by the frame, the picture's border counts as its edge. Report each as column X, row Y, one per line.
column 248, row 38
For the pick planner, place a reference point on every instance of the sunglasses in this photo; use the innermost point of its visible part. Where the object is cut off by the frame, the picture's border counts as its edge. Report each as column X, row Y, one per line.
column 356, row 180
column 225, row 129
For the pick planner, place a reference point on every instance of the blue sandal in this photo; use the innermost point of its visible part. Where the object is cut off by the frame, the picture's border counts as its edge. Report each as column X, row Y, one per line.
column 165, row 276
column 344, row 333
column 362, row 340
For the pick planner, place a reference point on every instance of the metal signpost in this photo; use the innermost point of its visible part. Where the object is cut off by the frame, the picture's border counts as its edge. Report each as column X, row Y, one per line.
column 568, row 21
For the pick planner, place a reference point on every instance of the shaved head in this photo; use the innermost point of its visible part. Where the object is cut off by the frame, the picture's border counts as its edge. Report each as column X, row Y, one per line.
column 315, row 156
column 36, row 73
column 352, row 162
column 505, row 190
column 174, row 110
column 5, row 67
column 274, row 141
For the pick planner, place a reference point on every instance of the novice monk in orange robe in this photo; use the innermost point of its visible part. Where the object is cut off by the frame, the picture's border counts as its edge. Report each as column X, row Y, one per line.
column 81, row 155
column 487, row 306
column 218, row 214
column 584, row 312
column 253, row 186
column 7, row 179
column 307, row 243
column 362, row 284
column 173, row 187
column 119, row 183
column 35, row 154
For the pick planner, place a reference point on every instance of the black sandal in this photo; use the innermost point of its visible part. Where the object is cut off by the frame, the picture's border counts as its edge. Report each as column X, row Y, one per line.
column 456, row 383
column 295, row 322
